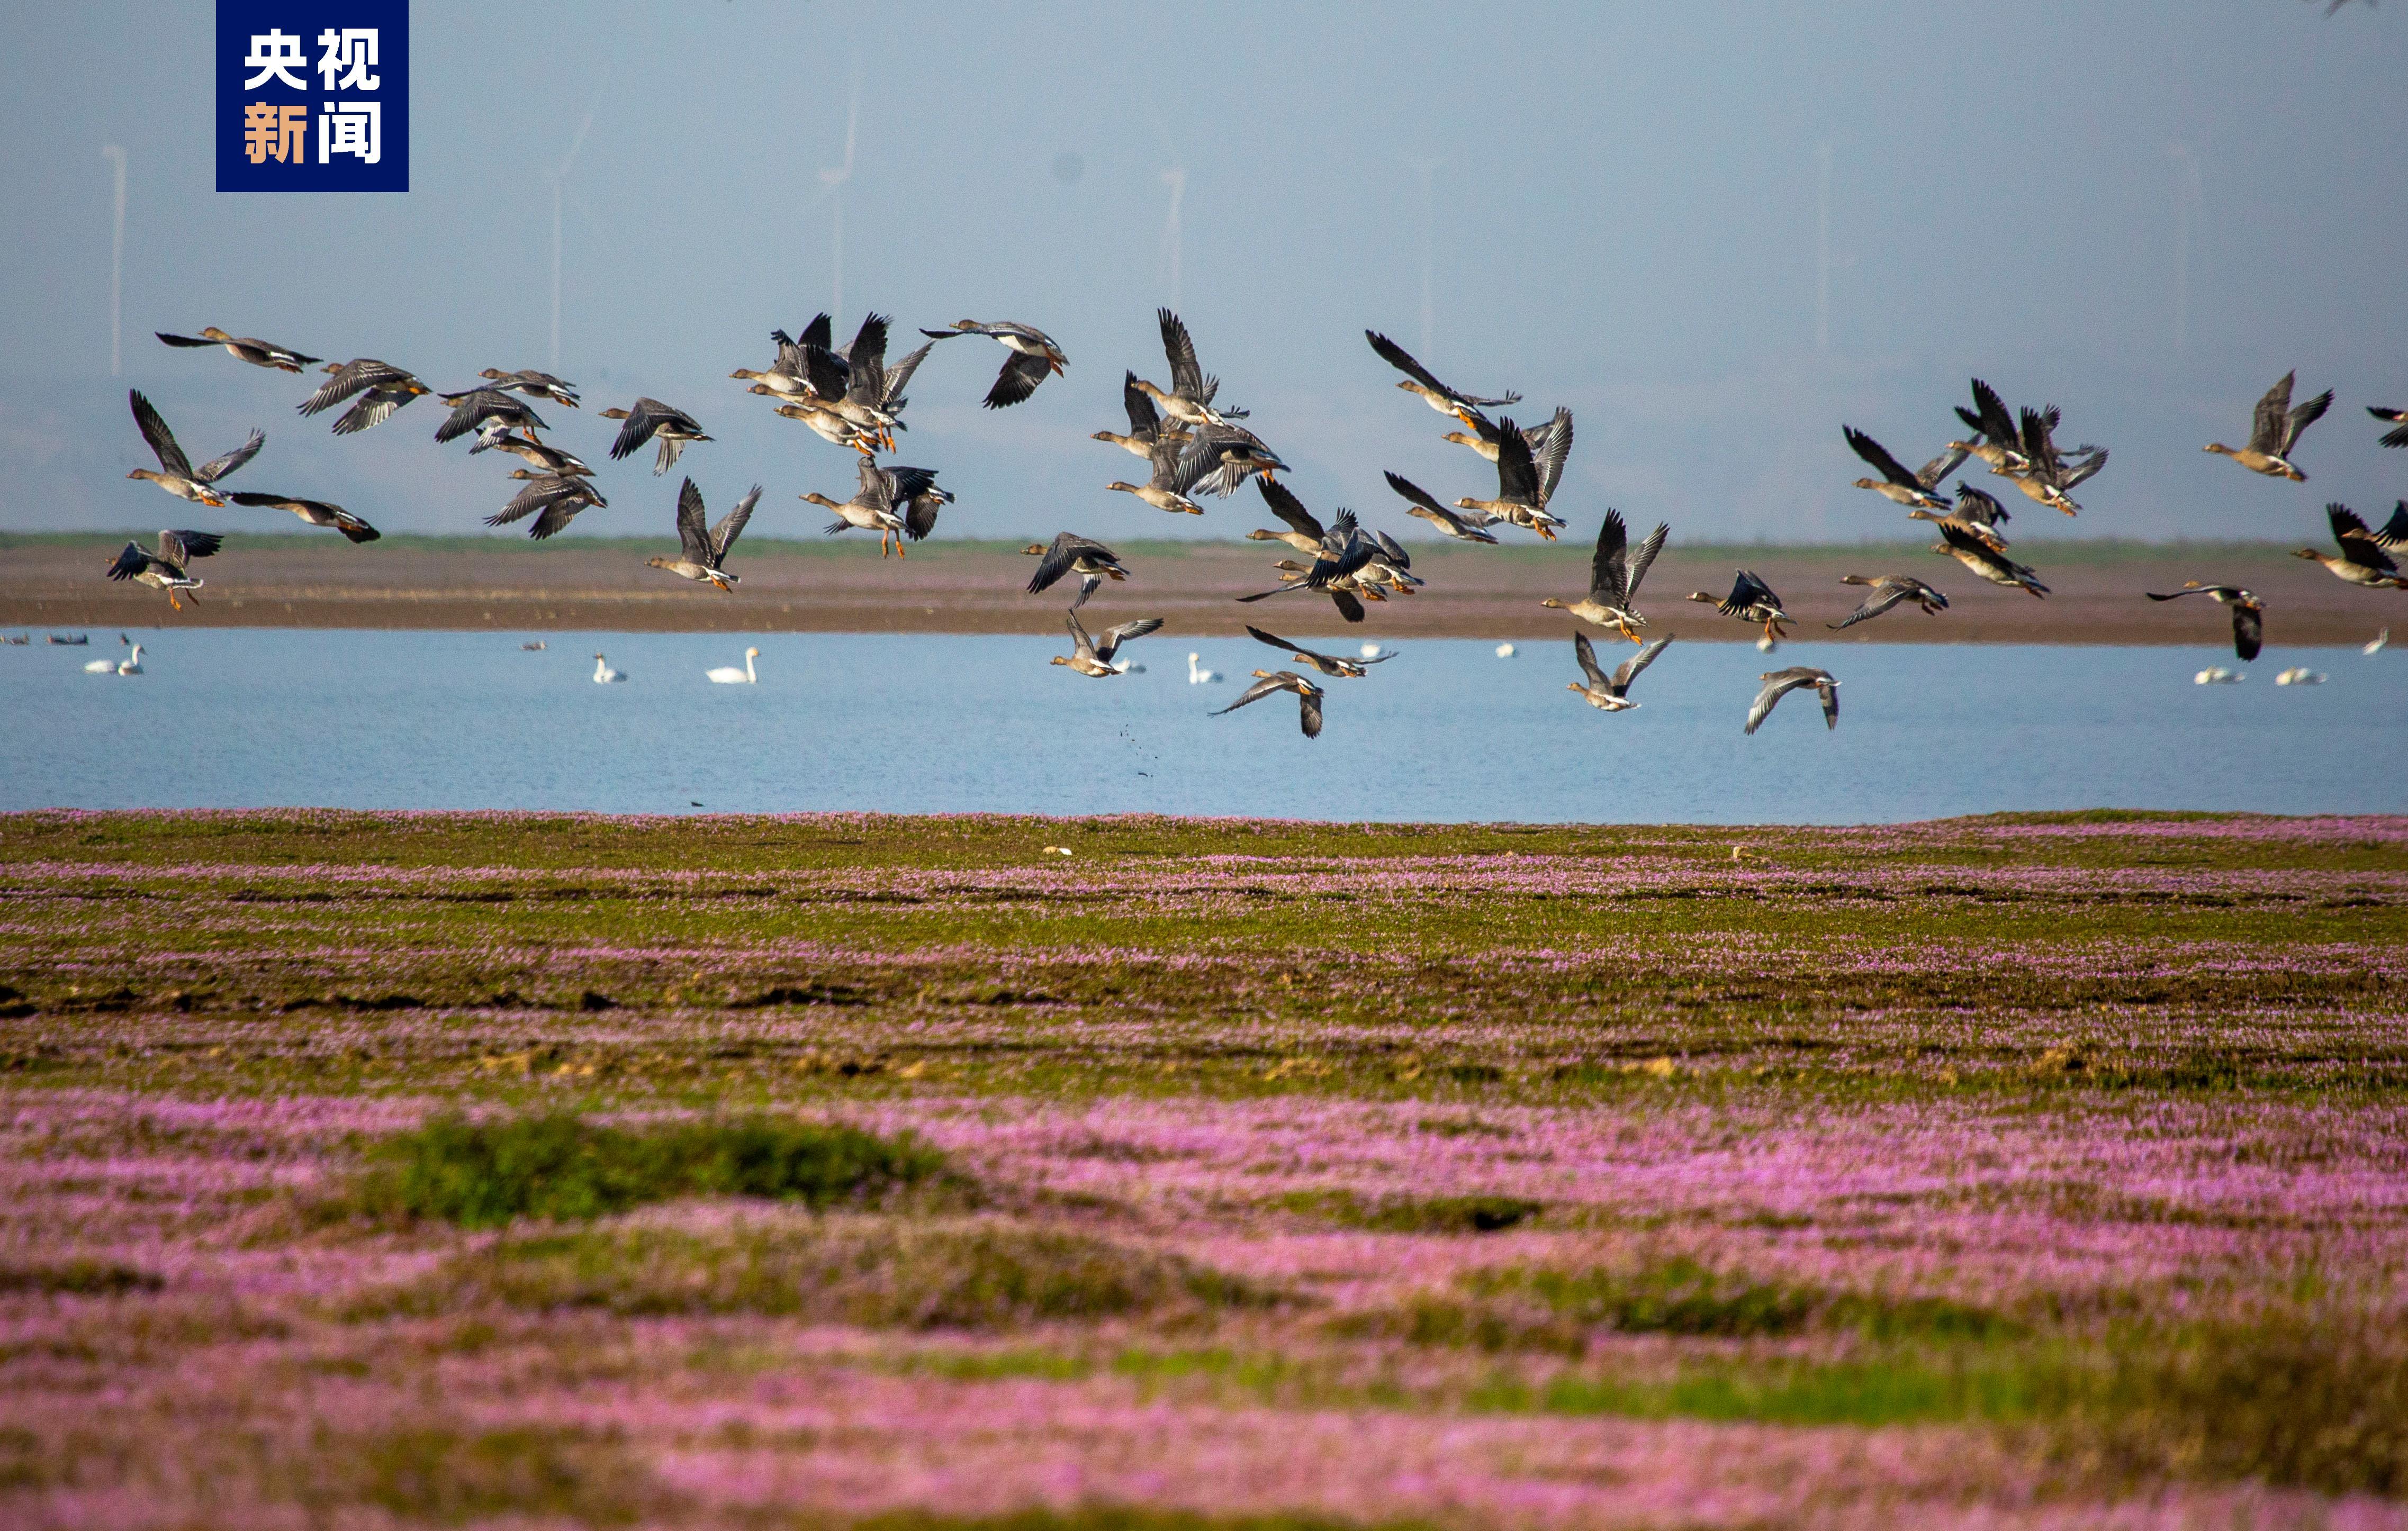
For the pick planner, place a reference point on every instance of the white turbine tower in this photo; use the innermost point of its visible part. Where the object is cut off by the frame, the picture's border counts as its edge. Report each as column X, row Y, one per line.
column 116, row 157
column 568, row 163
column 1823, row 248
column 834, row 180
column 2185, row 201
column 1172, row 242
column 1426, row 168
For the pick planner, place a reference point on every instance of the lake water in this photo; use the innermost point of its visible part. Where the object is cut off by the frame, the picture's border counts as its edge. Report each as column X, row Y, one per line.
column 240, row 718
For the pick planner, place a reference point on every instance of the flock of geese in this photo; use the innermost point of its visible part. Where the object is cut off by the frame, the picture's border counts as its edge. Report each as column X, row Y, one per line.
column 1194, row 447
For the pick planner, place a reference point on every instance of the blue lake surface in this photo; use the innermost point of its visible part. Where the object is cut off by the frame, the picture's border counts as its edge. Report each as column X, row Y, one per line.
column 241, row 718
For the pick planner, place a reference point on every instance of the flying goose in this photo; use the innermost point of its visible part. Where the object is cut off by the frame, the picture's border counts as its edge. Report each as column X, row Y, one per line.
column 918, row 509
column 1189, row 399
column 1071, row 553
column 1609, row 694
column 2249, row 612
column 1977, row 511
column 1987, row 561
column 1888, row 591
column 243, row 348
column 1392, row 566
column 540, row 385
column 1343, row 550
column 1095, row 656
column 2049, row 473
column 2362, row 560
column 703, row 554
column 1614, row 573
column 1751, row 600
column 1337, row 665
column 166, row 569
column 2396, row 417
column 1034, row 358
column 1419, row 502
column 1995, row 439
column 872, row 505
column 651, row 419
column 1224, row 456
column 1146, row 428
column 1485, row 434
column 1895, row 484
column 536, row 456
column 1308, row 696
column 315, row 513
column 1304, row 533
column 1780, row 683
column 871, row 400
column 1175, row 472
column 383, row 388
column 174, row 473
column 473, row 408
column 1523, row 483
column 559, row 495
column 1437, row 396
column 2274, row 431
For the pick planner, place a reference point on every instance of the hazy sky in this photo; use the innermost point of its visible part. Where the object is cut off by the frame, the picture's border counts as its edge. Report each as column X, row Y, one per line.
column 1623, row 218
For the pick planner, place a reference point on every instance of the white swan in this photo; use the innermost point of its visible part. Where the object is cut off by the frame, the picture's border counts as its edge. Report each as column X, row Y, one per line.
column 1196, row 674
column 2218, row 676
column 728, row 675
column 604, row 674
column 1505, row 650
column 2380, row 640
column 2301, row 676
column 101, row 667
column 133, row 663
column 1371, row 651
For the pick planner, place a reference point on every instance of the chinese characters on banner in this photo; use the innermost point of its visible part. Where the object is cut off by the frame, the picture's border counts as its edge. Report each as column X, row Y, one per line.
column 313, row 97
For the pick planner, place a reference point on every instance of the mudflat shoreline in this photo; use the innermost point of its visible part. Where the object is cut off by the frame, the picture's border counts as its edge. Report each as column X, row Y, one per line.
column 2097, row 591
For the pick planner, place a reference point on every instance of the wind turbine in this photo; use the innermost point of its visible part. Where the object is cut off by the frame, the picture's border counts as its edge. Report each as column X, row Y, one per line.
column 834, row 181
column 568, row 163
column 115, row 155
column 1426, row 168
column 1172, row 242
column 1823, row 248
column 2185, row 198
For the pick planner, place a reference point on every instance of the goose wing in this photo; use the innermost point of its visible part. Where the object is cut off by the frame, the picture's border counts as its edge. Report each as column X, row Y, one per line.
column 1631, row 666
column 1980, row 507
column 1083, row 644
column 1257, row 692
column 2272, row 417
column 172, row 460
column 1062, row 555
column 2249, row 629
column 317, row 512
column 1607, row 578
column 919, row 512
column 185, row 339
column 693, row 533
column 1748, row 591
column 1992, row 419
column 1352, row 550
column 731, row 526
column 2358, row 544
column 2394, row 533
column 1886, row 594
column 2301, row 418
column 1289, row 509
column 1517, row 472
column 644, row 417
column 1319, row 661
column 219, row 466
column 131, row 561
column 1644, row 557
column 1777, row 684
column 1585, row 651
column 1829, row 695
column 1019, row 378
column 2176, row 596
column 826, row 372
column 1348, row 607
column 1144, row 418
column 899, row 376
column 374, row 408
column 1940, row 467
column 1392, row 552
column 1187, row 374
column 1552, row 446
column 1307, row 710
column 1878, row 455
column 181, row 547
column 1110, row 644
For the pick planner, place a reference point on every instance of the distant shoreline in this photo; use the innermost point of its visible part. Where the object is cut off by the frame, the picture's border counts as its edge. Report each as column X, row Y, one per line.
column 281, row 580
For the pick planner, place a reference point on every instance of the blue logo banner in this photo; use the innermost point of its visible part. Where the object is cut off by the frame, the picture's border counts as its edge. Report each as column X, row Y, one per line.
column 314, row 96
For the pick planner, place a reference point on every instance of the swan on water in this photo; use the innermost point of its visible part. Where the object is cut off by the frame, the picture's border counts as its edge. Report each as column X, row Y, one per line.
column 1505, row 650
column 2218, row 676
column 131, row 664
column 603, row 673
column 2380, row 640
column 2301, row 676
column 728, row 675
column 1197, row 675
